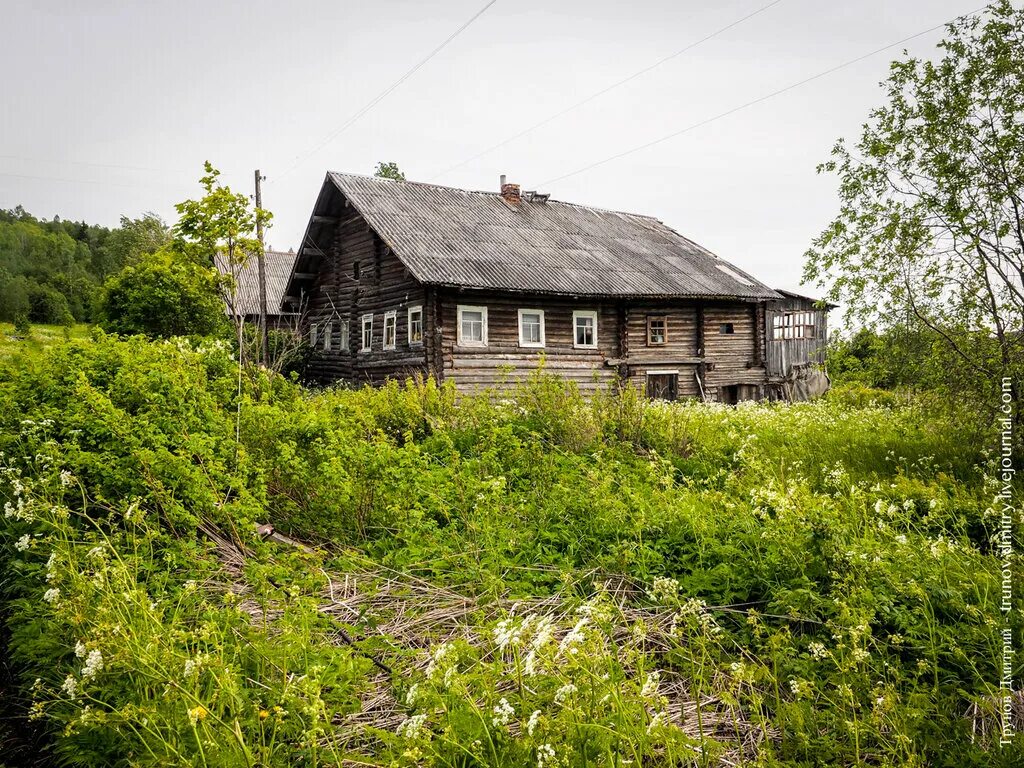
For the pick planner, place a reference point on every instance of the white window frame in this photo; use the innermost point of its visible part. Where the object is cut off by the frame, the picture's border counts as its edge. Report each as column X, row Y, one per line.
column 463, row 342
column 392, row 318
column 313, row 335
column 327, row 335
column 532, row 344
column 592, row 314
column 343, row 338
column 415, row 308
column 366, row 321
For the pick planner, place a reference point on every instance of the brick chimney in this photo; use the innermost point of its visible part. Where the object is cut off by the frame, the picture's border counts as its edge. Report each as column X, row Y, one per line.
column 510, row 192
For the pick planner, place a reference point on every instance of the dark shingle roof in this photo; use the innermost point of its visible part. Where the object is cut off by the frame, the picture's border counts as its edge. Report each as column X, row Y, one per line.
column 247, row 298
column 457, row 237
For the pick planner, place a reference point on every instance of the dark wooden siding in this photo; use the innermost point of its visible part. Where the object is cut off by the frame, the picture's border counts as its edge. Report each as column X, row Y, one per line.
column 733, row 357
column 383, row 285
column 679, row 353
column 503, row 360
column 783, row 355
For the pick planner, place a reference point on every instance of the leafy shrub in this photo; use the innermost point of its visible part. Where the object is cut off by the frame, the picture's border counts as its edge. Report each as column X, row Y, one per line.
column 816, row 580
column 162, row 295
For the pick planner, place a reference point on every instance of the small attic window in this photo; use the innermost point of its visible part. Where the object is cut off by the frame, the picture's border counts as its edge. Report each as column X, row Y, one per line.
column 733, row 274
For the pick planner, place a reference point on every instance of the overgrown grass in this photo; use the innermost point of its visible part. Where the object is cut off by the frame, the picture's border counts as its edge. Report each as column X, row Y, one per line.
column 535, row 579
column 40, row 338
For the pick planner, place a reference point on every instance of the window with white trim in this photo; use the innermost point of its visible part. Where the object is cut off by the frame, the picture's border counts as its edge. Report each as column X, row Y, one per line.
column 584, row 329
column 328, row 335
column 343, row 336
column 313, row 334
column 367, row 333
column 531, row 327
column 472, row 331
column 390, row 329
column 415, row 325
column 793, row 325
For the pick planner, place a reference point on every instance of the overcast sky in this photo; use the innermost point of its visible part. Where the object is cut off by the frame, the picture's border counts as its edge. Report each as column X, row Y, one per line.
column 110, row 107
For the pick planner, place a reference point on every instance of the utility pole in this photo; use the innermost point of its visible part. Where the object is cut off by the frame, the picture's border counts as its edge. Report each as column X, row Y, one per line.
column 262, row 266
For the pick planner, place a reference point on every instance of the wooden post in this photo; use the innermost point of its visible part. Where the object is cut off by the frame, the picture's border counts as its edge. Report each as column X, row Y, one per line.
column 261, row 263
column 702, row 365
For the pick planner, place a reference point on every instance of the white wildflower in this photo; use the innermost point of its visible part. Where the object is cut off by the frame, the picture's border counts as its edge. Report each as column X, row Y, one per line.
column 411, row 726
column 663, row 590
column 564, row 693
column 650, row 689
column 51, row 595
column 507, row 633
column 576, row 635
column 656, row 722
column 531, row 724
column 503, row 713
column 817, row 650
column 95, row 552
column 545, row 755
column 410, row 697
column 93, row 664
column 70, row 686
column 23, row 543
column 80, row 649
column 66, row 478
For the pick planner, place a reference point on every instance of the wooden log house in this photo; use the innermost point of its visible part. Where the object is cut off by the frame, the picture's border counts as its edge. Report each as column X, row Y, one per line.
column 398, row 278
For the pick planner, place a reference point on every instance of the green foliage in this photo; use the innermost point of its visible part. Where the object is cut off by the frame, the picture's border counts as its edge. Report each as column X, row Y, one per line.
column 929, row 233
column 571, row 573
column 389, row 171
column 22, row 326
column 219, row 223
column 162, row 295
column 52, row 270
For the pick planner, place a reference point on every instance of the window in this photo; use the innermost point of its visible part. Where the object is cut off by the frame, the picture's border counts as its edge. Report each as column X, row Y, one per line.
column 793, row 325
column 367, row 333
column 355, row 270
column 663, row 385
column 531, row 327
column 727, row 328
column 584, row 329
column 390, row 323
column 328, row 328
column 343, row 336
column 657, row 329
column 313, row 330
column 472, row 326
column 415, row 325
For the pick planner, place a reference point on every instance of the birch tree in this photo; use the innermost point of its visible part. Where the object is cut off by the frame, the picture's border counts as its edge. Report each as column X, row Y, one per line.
column 930, row 230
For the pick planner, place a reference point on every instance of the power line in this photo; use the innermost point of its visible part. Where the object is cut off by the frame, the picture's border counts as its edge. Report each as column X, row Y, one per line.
column 758, row 100
column 129, row 185
column 605, row 90
column 384, row 94
column 92, row 165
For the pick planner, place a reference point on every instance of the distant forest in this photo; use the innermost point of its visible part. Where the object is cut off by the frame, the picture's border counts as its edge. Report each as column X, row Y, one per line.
column 51, row 271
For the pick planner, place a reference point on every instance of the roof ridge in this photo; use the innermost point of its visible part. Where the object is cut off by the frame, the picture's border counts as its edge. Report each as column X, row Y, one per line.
column 491, row 193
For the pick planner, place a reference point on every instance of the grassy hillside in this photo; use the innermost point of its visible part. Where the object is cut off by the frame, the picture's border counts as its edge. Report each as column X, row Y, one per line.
column 525, row 580
column 41, row 337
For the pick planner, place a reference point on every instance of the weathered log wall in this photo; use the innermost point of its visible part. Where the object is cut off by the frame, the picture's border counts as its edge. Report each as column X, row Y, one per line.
column 383, row 284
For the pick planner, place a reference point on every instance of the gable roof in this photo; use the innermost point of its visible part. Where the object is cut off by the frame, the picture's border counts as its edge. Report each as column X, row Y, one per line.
column 278, row 265
column 461, row 238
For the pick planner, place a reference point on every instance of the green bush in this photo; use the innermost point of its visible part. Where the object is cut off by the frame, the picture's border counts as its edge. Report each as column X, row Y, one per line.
column 162, row 295
column 535, row 578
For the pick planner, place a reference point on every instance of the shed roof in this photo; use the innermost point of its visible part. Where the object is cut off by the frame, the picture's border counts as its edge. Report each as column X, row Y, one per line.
column 247, row 298
column 462, row 238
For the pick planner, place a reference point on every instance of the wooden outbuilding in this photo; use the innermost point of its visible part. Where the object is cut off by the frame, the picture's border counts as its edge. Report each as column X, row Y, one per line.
column 481, row 288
